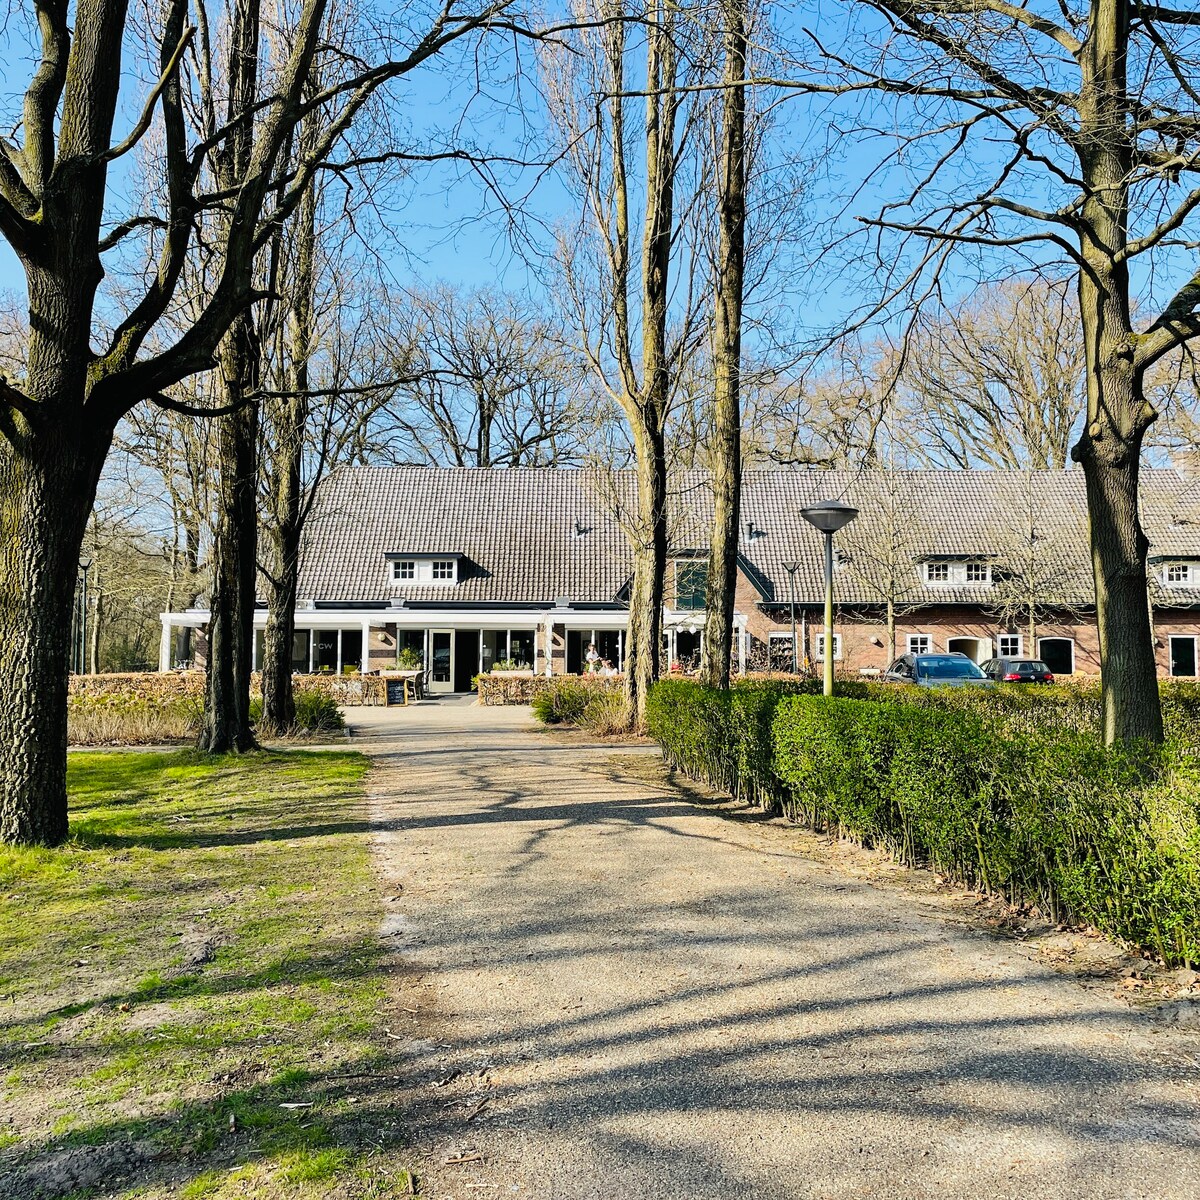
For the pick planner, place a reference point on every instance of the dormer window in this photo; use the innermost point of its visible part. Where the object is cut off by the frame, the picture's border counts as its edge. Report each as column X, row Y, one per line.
column 978, row 572
column 422, row 569
column 1180, row 575
column 937, row 572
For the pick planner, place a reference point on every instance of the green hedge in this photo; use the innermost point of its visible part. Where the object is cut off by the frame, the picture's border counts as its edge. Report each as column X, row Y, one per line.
column 565, row 699
column 1043, row 816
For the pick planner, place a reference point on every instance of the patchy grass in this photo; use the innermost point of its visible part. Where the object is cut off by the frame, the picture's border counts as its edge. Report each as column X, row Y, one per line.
column 201, row 953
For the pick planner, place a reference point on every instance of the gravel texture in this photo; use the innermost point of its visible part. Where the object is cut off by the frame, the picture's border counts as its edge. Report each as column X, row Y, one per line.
column 608, row 991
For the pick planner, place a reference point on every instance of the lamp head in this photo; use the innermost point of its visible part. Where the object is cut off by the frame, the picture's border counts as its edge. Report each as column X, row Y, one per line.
column 829, row 515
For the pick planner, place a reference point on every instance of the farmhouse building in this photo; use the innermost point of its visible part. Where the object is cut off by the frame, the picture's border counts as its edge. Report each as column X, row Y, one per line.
column 469, row 568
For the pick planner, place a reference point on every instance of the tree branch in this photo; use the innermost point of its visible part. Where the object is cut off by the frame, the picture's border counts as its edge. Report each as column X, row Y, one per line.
column 41, row 99
column 138, row 131
column 1178, row 323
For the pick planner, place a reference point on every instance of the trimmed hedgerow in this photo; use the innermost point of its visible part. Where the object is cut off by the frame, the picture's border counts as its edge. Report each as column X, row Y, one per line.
column 726, row 736
column 1042, row 815
column 564, row 699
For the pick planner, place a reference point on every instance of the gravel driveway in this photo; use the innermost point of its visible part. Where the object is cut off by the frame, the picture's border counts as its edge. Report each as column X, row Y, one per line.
column 606, row 991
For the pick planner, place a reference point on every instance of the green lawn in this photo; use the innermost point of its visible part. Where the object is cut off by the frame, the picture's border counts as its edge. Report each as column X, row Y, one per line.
column 202, row 952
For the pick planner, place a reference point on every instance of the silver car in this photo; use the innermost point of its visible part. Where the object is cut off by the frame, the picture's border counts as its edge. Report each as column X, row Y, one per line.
column 936, row 670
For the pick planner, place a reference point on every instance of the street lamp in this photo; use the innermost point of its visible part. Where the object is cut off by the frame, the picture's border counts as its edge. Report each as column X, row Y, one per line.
column 85, row 565
column 791, row 568
column 829, row 516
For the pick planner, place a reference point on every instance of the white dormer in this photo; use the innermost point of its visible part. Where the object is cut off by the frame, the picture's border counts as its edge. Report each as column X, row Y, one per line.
column 423, row 570
column 1181, row 574
column 966, row 572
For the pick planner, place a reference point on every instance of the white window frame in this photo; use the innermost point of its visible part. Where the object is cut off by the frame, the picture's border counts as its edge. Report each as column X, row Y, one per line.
column 1182, row 637
column 782, row 635
column 1001, row 638
column 399, row 574
column 448, row 567
column 940, row 567
column 986, row 577
column 1185, row 571
column 912, row 637
column 1051, row 638
column 820, row 641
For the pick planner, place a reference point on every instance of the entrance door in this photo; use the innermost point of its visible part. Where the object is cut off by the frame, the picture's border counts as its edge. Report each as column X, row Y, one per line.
column 1183, row 656
column 1058, row 654
column 976, row 649
column 466, row 658
column 441, row 666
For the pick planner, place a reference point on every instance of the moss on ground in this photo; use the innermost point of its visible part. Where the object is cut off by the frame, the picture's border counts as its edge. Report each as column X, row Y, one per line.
column 190, row 988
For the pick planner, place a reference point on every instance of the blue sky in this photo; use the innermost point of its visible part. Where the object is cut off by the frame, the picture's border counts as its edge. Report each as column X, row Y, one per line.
column 437, row 226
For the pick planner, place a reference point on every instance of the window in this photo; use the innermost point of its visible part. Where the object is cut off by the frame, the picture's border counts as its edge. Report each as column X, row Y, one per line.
column 978, row 572
column 404, row 568
column 779, row 651
column 1009, row 645
column 937, row 572
column 1058, row 654
column 443, row 568
column 1179, row 573
column 919, row 643
column 837, row 647
column 691, row 579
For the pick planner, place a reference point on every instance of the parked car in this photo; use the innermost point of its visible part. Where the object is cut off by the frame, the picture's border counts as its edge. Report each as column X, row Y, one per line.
column 1018, row 670
column 936, row 670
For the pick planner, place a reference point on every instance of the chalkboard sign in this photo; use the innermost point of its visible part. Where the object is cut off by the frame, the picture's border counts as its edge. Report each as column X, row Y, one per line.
column 395, row 691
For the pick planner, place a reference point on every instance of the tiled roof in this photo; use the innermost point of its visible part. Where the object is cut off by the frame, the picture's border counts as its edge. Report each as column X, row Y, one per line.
column 519, row 529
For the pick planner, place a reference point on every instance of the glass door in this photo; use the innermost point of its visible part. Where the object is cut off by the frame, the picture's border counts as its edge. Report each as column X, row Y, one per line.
column 1183, row 656
column 441, row 668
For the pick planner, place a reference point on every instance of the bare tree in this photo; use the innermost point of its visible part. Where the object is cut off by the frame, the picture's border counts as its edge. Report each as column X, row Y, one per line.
column 635, row 324
column 1038, row 565
column 828, row 417
column 328, row 377
column 176, row 450
column 881, row 547
column 490, row 381
column 998, row 380
column 1095, row 106
column 729, row 294
column 128, row 579
column 57, row 419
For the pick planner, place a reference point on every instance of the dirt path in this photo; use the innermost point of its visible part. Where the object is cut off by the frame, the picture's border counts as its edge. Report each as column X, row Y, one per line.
column 609, row 992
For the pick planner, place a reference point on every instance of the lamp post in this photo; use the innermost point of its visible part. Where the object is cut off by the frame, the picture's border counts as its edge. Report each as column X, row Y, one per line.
column 84, row 566
column 791, row 568
column 829, row 516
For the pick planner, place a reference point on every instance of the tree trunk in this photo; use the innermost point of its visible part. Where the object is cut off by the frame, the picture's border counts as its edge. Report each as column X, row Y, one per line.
column 226, row 724
column 727, row 359
column 649, row 567
column 47, row 485
column 1117, row 414
column 1129, row 676
column 891, row 630
column 279, row 701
